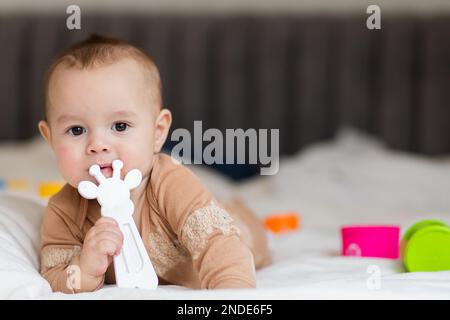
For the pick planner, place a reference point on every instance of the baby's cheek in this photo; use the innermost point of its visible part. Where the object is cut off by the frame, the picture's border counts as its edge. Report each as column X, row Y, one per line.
column 138, row 156
column 69, row 163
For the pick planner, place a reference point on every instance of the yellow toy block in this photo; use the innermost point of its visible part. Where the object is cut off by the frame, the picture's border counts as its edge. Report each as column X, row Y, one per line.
column 48, row 189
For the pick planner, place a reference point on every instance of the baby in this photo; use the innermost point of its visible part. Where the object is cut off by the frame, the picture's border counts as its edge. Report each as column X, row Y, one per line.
column 103, row 101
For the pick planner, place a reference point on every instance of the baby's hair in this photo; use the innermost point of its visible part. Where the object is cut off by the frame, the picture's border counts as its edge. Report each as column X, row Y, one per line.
column 97, row 50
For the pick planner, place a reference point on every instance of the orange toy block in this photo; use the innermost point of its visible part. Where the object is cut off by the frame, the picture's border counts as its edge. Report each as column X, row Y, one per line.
column 281, row 222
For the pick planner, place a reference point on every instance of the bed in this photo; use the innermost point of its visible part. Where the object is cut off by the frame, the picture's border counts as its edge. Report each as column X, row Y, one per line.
column 364, row 136
column 351, row 179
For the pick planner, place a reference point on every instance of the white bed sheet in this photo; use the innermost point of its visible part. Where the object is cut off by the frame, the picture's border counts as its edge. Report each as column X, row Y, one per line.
column 353, row 179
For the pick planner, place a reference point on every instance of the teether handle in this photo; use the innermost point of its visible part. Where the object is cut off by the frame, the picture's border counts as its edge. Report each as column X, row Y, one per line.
column 132, row 266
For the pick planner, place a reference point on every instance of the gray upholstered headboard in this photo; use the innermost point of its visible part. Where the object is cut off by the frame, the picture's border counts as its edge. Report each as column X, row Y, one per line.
column 303, row 75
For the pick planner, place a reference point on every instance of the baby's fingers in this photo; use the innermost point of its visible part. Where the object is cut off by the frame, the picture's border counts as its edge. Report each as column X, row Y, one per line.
column 109, row 229
column 109, row 247
column 106, row 221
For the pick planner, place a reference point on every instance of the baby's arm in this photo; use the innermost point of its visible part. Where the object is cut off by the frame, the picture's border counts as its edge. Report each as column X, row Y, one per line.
column 219, row 256
column 71, row 264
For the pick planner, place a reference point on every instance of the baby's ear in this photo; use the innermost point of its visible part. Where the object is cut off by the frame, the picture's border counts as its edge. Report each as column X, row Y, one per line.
column 133, row 178
column 162, row 126
column 44, row 129
column 88, row 190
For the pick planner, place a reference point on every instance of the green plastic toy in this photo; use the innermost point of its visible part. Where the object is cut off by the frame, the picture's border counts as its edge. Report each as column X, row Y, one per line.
column 426, row 246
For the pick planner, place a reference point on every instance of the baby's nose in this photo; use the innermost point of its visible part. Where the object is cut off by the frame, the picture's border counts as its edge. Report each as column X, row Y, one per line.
column 98, row 146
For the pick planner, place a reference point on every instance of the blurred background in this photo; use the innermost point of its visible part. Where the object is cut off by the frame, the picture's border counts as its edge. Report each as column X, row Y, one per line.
column 363, row 117
column 304, row 67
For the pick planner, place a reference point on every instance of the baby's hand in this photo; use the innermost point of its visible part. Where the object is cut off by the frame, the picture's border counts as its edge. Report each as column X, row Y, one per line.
column 103, row 241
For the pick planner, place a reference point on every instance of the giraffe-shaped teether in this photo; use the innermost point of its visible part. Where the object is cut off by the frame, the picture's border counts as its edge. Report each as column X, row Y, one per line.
column 132, row 266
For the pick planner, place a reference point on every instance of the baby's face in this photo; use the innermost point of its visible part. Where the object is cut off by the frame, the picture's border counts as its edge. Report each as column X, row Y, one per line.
column 99, row 115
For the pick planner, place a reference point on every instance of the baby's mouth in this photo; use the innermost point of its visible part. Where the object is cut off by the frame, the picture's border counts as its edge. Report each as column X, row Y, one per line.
column 106, row 170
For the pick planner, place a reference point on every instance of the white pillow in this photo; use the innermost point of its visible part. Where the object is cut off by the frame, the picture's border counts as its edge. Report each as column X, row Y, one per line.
column 20, row 220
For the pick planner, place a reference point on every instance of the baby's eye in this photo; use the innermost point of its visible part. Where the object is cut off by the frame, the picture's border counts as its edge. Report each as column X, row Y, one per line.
column 120, row 126
column 76, row 130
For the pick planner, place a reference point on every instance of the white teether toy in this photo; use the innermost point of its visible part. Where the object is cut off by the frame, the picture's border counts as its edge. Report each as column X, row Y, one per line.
column 132, row 266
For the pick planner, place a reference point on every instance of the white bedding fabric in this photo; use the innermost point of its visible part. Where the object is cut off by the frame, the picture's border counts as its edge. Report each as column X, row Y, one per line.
column 353, row 179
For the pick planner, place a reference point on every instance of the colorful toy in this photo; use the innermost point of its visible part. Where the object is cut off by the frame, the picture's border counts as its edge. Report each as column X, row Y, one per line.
column 132, row 266
column 48, row 189
column 426, row 246
column 371, row 241
column 18, row 185
column 281, row 222
column 44, row 189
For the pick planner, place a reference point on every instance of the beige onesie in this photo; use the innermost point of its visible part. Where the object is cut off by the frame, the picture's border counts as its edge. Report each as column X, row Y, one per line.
column 192, row 239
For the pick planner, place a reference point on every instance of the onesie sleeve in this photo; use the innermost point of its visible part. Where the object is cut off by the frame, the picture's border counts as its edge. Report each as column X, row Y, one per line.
column 203, row 227
column 61, row 242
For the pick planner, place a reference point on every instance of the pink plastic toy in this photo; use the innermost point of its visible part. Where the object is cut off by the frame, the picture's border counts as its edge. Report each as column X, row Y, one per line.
column 371, row 241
